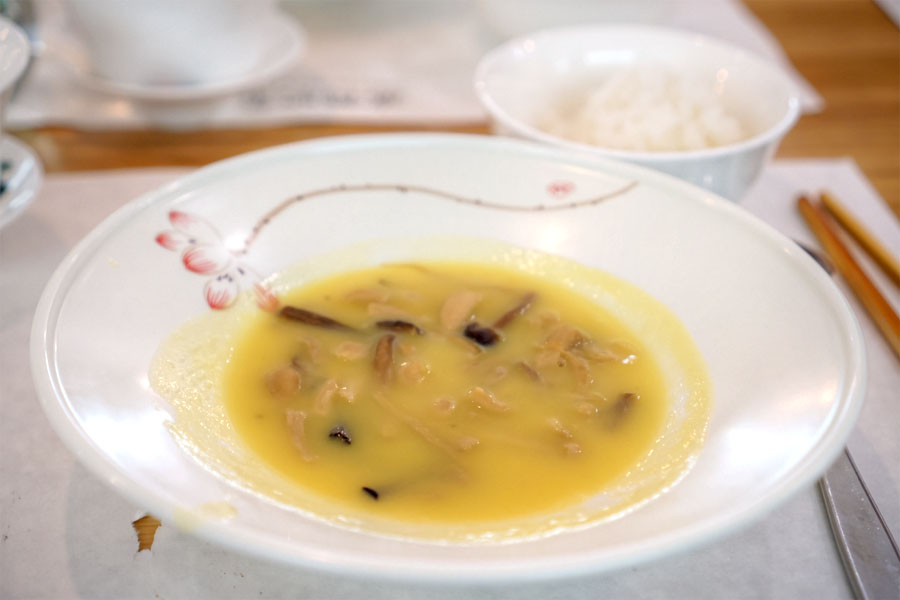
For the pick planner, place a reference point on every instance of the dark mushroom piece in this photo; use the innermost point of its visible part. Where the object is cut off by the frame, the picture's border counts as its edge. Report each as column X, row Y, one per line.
column 516, row 311
column 481, row 335
column 307, row 317
column 400, row 326
column 340, row 433
column 384, row 357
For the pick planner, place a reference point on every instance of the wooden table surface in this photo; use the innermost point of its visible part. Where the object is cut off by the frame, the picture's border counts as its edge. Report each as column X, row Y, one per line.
column 848, row 49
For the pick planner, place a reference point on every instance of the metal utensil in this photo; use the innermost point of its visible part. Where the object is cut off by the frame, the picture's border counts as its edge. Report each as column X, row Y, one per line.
column 868, row 550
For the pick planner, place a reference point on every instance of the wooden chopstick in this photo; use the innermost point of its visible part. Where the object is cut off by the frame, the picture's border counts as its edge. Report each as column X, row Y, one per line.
column 869, row 243
column 878, row 308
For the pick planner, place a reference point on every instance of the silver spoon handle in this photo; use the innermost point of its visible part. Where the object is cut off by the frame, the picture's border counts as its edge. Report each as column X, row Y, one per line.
column 868, row 551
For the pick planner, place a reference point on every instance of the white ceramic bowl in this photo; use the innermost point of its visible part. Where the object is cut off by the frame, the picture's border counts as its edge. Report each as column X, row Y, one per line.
column 23, row 177
column 518, row 81
column 783, row 351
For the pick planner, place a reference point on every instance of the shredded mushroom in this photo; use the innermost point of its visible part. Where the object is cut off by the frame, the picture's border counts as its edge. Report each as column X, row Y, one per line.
column 384, row 357
column 284, row 381
column 516, row 311
column 296, row 421
column 458, row 308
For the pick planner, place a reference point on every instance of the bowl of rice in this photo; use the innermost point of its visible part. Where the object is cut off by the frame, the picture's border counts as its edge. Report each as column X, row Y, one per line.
column 685, row 104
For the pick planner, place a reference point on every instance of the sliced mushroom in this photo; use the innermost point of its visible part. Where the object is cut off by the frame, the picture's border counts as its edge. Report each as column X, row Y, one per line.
column 413, row 371
column 399, row 326
column 296, row 421
column 457, row 309
column 347, row 392
column 486, row 400
column 308, row 317
column 284, row 381
column 340, row 433
column 580, row 368
column 549, row 358
column 466, row 345
column 322, row 403
column 563, row 337
column 384, row 357
column 483, row 336
column 516, row 311
column 444, row 406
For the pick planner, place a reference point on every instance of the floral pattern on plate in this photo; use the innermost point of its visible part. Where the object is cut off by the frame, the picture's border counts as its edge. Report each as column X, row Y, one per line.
column 204, row 252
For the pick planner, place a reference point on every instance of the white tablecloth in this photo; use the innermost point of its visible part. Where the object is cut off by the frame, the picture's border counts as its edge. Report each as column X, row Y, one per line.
column 63, row 534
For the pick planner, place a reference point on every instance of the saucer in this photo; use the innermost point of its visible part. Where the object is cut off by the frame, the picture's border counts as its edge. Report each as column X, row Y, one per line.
column 286, row 43
column 20, row 181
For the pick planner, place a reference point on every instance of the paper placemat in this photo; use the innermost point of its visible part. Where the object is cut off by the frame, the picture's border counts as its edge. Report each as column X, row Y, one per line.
column 65, row 534
column 378, row 61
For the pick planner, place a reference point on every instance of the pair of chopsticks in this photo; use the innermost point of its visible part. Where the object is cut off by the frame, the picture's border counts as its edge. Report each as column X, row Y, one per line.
column 826, row 224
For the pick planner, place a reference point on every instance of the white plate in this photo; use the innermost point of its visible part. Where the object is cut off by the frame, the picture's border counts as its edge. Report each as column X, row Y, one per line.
column 784, row 352
column 286, row 42
column 21, row 180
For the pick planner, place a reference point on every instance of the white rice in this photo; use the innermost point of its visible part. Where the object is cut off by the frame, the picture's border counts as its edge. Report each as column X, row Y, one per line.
column 648, row 109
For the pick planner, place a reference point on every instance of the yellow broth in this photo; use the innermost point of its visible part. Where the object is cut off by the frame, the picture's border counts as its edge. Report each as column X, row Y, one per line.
column 436, row 427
